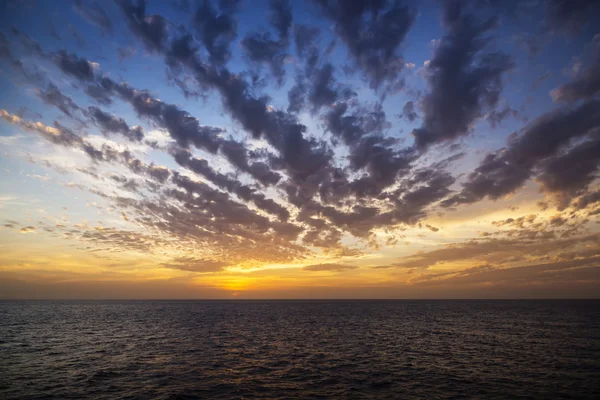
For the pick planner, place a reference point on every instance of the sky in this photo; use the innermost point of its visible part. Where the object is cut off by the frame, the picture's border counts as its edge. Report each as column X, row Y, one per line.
column 226, row 149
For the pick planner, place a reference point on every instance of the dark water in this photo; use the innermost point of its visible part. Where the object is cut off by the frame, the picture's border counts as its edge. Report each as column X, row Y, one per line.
column 299, row 349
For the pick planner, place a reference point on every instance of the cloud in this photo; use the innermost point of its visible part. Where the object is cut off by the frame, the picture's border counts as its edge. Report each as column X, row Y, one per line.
column 586, row 200
column 586, row 83
column 94, row 14
column 570, row 16
column 55, row 135
column 151, row 29
column 432, row 228
column 65, row 137
column 301, row 156
column 408, row 111
column 329, row 267
column 373, row 33
column 530, row 276
column 261, row 48
column 495, row 117
column 504, row 171
column 304, row 38
column 216, row 29
column 370, row 150
column 73, row 65
column 499, row 251
column 112, row 124
column 244, row 192
column 276, row 180
column 27, row 229
column 200, row 265
column 571, row 172
column 305, row 160
column 464, row 80
column 117, row 240
column 54, row 97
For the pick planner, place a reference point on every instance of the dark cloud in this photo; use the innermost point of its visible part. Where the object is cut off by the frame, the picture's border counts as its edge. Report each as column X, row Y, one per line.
column 151, row 29
column 216, row 29
column 464, row 80
column 27, row 72
column 406, row 205
column 210, row 217
column 419, row 191
column 363, row 131
column 219, row 204
column 505, row 170
column 305, row 38
column 187, row 130
column 495, row 117
column 329, row 267
column 572, row 171
column 237, row 154
column 281, row 17
column 182, row 127
column 296, row 98
column 128, row 184
column 408, row 111
column 373, row 32
column 300, row 156
column 73, row 65
column 316, row 83
column 111, row 124
column 244, row 192
column 586, row 83
column 571, row 16
column 100, row 94
column 94, row 14
column 54, row 97
column 262, row 48
column 586, row 200
column 323, row 90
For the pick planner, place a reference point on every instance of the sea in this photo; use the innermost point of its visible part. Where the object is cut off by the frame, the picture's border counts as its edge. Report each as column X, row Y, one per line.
column 442, row 349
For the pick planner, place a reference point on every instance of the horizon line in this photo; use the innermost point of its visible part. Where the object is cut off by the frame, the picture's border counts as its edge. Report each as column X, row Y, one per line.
column 304, row 299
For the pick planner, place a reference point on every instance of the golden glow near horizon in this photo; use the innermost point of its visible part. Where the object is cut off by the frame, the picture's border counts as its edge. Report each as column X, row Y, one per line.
column 53, row 254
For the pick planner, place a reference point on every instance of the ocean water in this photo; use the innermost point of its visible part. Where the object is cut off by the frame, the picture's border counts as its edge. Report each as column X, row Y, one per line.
column 299, row 349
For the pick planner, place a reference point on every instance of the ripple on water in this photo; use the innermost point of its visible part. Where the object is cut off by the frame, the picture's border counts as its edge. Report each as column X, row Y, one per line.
column 299, row 349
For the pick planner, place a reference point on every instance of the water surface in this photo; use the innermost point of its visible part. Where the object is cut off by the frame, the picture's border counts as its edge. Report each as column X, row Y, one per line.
column 299, row 349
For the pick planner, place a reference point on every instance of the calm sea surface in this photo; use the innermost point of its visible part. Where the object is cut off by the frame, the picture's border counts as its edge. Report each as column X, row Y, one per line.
column 299, row 349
